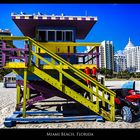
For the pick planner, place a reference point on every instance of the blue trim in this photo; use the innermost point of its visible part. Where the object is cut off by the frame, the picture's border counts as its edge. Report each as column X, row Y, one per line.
column 74, row 118
column 30, row 77
column 129, row 85
column 11, row 121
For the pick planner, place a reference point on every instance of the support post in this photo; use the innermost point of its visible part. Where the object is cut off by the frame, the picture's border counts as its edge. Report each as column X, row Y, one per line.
column 24, row 93
column 18, row 94
column 83, row 59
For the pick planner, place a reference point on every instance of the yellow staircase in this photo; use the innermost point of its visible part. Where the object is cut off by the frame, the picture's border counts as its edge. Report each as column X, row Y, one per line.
column 100, row 96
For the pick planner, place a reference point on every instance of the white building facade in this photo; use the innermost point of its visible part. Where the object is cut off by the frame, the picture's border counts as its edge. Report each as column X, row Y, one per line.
column 106, row 58
column 119, row 62
column 132, row 53
column 138, row 58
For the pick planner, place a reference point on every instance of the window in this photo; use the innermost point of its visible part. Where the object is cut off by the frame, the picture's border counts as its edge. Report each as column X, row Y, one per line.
column 42, row 36
column 13, row 79
column 51, row 35
column 59, row 36
column 68, row 36
column 63, row 36
column 55, row 35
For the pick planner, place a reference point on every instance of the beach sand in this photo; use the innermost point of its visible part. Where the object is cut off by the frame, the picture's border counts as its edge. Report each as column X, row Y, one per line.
column 8, row 101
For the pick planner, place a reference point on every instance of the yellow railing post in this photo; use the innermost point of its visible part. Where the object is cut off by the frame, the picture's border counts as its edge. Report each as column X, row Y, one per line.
column 28, row 93
column 24, row 93
column 103, row 94
column 91, row 95
column 53, row 61
column 36, row 59
column 112, row 108
column 97, row 99
column 18, row 94
column 61, row 77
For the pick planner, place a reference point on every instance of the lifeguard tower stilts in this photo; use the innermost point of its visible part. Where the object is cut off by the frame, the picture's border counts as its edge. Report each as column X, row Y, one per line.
column 47, row 65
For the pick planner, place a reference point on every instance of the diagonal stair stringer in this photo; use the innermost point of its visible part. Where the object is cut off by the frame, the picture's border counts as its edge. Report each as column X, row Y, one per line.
column 68, row 91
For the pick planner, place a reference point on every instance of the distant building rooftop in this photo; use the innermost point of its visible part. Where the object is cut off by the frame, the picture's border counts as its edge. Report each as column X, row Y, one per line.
column 5, row 32
column 11, row 74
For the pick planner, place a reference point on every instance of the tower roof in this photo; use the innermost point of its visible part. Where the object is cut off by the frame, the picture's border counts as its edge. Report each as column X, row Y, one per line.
column 28, row 23
column 129, row 45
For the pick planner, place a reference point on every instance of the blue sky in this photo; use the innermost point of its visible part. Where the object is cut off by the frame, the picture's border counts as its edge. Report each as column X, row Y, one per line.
column 116, row 22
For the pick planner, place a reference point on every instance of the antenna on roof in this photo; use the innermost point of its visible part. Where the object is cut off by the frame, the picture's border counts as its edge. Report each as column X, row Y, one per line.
column 22, row 13
column 13, row 13
column 40, row 13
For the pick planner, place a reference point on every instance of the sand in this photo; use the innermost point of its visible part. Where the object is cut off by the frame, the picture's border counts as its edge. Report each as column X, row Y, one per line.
column 8, row 101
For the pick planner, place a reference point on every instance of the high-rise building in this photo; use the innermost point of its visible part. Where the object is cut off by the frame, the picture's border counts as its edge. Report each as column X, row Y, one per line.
column 137, row 58
column 131, row 53
column 6, row 32
column 106, row 58
column 119, row 61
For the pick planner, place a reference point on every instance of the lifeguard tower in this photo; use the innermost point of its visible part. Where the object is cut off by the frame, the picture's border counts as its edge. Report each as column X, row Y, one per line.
column 48, row 65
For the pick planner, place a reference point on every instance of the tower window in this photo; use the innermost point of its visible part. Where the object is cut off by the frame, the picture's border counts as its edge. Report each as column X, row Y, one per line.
column 59, row 36
column 55, row 35
column 51, row 35
column 68, row 36
column 42, row 36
